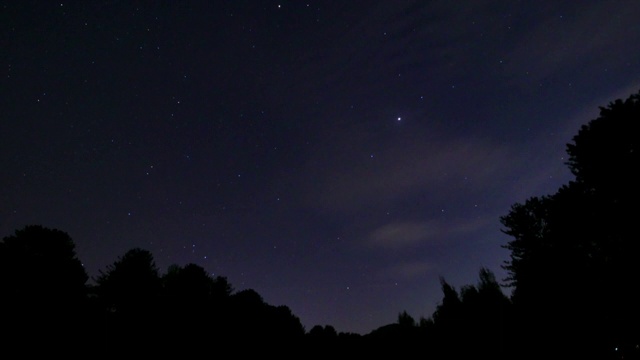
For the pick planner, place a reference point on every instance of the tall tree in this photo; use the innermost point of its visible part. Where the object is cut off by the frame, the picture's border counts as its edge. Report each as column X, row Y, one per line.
column 130, row 291
column 253, row 318
column 605, row 159
column 192, row 284
column 130, row 282
column 195, row 306
column 575, row 254
column 477, row 317
column 43, row 286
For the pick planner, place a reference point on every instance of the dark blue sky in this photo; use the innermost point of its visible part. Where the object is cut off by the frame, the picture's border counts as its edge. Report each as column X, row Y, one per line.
column 337, row 157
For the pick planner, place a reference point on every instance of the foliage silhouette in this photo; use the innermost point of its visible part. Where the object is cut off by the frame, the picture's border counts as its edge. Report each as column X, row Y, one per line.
column 255, row 319
column 324, row 332
column 574, row 254
column 192, row 301
column 129, row 291
column 477, row 317
column 43, row 288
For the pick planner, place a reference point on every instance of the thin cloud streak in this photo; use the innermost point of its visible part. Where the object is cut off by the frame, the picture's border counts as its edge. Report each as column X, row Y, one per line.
column 402, row 235
column 563, row 42
column 408, row 270
column 401, row 169
column 410, row 234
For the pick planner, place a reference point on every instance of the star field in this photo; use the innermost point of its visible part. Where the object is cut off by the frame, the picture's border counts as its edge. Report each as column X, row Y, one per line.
column 336, row 157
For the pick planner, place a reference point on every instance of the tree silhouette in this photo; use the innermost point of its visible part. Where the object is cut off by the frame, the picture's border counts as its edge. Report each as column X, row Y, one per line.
column 324, row 332
column 406, row 320
column 194, row 306
column 43, row 287
column 192, row 285
column 574, row 254
column 131, row 282
column 605, row 159
column 471, row 322
column 486, row 312
column 129, row 292
column 255, row 319
column 447, row 316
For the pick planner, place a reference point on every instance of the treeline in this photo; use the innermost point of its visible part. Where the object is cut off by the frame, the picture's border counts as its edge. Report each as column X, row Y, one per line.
column 574, row 269
column 47, row 301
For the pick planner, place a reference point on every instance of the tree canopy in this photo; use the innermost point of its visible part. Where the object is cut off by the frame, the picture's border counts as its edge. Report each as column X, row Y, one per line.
column 575, row 254
column 39, row 271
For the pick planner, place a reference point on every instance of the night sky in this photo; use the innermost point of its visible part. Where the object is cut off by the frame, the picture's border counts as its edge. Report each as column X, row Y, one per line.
column 338, row 157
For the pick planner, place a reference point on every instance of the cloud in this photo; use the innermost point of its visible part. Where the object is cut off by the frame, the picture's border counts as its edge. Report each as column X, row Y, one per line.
column 357, row 170
column 564, row 38
column 409, row 234
column 407, row 270
column 405, row 234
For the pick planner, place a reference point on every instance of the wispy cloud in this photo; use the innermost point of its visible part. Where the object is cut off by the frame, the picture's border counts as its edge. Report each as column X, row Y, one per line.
column 401, row 235
column 405, row 234
column 558, row 39
column 407, row 270
column 376, row 172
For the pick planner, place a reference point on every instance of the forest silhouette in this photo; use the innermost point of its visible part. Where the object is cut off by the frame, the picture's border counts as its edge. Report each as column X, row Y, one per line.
column 573, row 272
